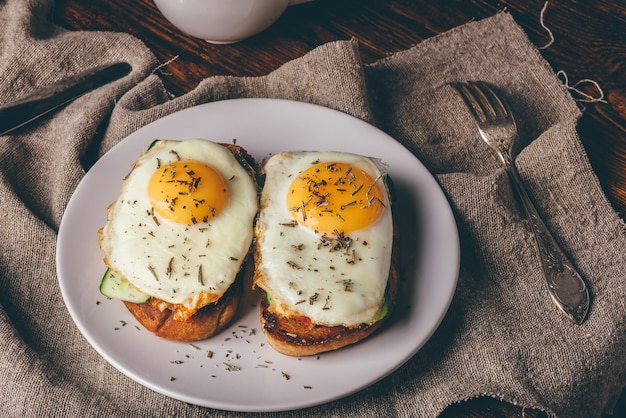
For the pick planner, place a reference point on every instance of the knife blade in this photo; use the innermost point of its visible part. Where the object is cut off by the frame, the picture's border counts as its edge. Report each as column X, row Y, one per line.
column 32, row 106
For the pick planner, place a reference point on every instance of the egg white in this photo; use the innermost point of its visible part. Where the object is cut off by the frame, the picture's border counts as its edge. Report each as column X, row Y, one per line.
column 181, row 264
column 329, row 287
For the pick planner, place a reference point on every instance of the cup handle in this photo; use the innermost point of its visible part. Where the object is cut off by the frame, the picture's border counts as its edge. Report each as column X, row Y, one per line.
column 293, row 2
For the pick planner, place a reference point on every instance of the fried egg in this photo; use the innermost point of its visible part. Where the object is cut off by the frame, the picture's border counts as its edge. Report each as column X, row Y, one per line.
column 324, row 237
column 182, row 224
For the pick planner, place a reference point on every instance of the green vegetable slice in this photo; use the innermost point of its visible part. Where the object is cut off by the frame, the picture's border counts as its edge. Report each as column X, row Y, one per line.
column 115, row 286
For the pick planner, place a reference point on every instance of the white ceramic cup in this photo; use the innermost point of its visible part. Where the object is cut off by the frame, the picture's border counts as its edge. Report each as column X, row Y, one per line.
column 223, row 21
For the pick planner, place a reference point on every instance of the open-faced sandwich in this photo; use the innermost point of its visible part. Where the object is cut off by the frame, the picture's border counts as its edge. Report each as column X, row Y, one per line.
column 178, row 236
column 325, row 252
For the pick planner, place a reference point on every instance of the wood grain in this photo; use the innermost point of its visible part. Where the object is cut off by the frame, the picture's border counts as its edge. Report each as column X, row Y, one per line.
column 589, row 39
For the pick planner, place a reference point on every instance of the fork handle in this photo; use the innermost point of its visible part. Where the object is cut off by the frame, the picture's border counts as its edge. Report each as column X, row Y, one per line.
column 566, row 287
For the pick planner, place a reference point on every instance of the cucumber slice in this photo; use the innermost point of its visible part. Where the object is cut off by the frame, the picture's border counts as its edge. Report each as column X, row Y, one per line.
column 115, row 286
column 384, row 311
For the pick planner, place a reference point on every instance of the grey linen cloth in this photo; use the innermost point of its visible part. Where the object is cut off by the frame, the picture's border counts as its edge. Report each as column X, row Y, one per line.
column 502, row 336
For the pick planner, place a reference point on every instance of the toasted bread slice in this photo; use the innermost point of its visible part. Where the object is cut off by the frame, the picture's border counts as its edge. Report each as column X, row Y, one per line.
column 205, row 323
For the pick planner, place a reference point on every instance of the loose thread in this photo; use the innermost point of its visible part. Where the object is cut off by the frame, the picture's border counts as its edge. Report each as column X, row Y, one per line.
column 583, row 97
column 165, row 64
column 543, row 25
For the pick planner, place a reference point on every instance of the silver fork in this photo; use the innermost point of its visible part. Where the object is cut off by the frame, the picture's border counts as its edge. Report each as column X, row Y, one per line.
column 497, row 128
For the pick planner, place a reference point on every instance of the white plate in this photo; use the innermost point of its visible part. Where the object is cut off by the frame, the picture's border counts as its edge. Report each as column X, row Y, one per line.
column 244, row 373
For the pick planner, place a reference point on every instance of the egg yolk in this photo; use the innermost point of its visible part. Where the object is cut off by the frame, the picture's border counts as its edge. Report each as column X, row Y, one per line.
column 188, row 192
column 335, row 197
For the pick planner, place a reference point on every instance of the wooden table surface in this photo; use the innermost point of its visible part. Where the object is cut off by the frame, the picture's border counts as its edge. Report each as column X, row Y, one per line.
column 584, row 39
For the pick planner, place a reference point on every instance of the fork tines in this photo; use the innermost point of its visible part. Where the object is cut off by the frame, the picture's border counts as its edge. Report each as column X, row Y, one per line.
column 482, row 100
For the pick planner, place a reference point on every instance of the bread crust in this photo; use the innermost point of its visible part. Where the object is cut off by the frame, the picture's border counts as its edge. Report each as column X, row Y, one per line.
column 210, row 319
column 294, row 337
column 205, row 323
